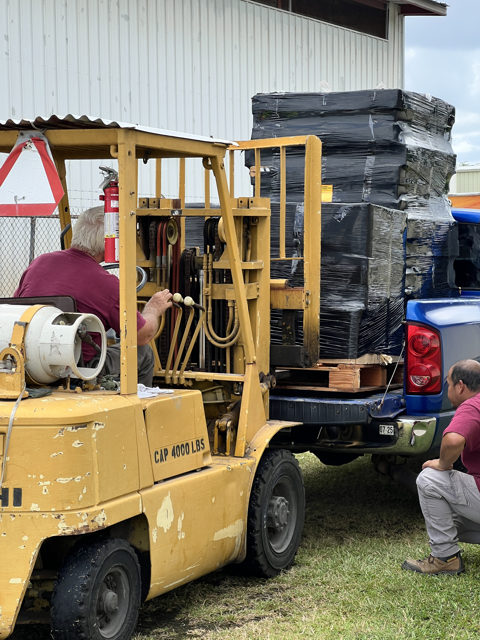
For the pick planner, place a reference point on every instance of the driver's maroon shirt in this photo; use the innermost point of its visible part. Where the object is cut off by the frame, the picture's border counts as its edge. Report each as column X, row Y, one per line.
column 466, row 422
column 75, row 273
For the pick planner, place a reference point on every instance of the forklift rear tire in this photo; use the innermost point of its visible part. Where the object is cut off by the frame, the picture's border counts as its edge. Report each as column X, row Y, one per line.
column 97, row 594
column 276, row 515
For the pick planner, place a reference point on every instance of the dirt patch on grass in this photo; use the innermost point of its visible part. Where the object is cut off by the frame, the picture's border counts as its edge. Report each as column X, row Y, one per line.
column 210, row 605
column 176, row 626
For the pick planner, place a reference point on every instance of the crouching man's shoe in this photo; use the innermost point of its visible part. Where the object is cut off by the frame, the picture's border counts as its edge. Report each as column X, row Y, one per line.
column 436, row 566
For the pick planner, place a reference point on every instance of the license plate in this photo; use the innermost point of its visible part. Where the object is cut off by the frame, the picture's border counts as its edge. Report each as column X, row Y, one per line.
column 386, row 430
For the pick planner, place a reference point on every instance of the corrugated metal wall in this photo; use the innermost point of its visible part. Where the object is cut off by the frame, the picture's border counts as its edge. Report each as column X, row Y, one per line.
column 467, row 181
column 186, row 65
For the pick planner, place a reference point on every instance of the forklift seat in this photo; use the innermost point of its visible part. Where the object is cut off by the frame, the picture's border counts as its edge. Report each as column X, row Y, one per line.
column 64, row 303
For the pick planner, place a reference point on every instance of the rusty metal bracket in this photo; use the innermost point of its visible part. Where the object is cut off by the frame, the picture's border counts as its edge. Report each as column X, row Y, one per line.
column 12, row 374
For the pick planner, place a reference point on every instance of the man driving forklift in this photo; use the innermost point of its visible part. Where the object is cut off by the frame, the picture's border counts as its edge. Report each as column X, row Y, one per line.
column 76, row 272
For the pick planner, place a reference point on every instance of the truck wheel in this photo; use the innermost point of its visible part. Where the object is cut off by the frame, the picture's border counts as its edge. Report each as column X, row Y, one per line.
column 97, row 594
column 276, row 514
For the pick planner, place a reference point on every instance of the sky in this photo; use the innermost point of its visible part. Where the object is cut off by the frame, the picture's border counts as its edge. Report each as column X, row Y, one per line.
column 442, row 58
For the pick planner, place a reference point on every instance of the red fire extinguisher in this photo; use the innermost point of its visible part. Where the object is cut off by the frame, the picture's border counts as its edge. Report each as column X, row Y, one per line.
column 110, row 197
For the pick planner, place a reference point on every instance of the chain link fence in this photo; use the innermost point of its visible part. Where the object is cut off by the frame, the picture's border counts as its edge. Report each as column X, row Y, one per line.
column 22, row 239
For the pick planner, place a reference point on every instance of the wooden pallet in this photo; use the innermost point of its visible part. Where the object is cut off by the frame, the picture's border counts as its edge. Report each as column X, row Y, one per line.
column 368, row 358
column 356, row 376
column 348, row 377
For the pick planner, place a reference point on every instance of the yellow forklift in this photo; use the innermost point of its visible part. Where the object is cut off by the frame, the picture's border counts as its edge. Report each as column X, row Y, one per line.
column 109, row 499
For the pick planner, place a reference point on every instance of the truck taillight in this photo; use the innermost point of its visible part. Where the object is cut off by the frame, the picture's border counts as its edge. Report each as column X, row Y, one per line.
column 423, row 360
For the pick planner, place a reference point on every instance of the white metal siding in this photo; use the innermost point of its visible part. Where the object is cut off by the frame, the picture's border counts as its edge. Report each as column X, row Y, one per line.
column 468, row 181
column 186, row 65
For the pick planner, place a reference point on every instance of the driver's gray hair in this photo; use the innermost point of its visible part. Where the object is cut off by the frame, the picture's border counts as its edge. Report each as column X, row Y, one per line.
column 88, row 232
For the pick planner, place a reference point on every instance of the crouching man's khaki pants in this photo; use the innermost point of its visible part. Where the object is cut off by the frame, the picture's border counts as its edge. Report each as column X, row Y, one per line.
column 450, row 502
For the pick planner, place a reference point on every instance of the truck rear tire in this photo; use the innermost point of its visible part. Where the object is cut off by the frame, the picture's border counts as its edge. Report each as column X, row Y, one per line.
column 97, row 594
column 276, row 515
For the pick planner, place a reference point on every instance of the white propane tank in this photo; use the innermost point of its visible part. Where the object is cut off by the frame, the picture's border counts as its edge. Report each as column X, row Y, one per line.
column 52, row 346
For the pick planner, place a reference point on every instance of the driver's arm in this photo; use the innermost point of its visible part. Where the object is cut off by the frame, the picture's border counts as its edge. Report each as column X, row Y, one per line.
column 155, row 307
column 452, row 446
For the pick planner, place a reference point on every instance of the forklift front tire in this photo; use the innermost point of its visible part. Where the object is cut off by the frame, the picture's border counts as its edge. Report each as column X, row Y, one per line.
column 276, row 515
column 97, row 594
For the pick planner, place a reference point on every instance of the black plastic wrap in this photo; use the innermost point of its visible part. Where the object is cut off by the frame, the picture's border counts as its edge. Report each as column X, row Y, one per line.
column 389, row 176
column 386, row 147
column 194, row 225
column 362, row 277
column 385, row 109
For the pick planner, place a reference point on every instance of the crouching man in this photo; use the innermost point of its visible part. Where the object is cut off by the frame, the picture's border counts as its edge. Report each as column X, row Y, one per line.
column 450, row 500
column 77, row 272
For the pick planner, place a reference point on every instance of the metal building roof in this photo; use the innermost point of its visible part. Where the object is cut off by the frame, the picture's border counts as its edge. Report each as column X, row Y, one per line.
column 71, row 121
column 421, row 7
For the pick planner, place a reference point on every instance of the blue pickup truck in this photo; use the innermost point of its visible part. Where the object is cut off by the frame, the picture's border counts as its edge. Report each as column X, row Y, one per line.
column 409, row 422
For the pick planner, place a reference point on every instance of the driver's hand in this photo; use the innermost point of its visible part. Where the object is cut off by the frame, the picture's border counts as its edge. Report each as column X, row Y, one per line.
column 160, row 301
column 435, row 464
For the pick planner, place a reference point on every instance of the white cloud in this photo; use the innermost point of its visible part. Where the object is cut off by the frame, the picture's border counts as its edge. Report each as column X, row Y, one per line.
column 458, row 31
column 462, row 136
column 466, row 118
column 411, row 53
column 463, row 146
column 474, row 86
column 442, row 57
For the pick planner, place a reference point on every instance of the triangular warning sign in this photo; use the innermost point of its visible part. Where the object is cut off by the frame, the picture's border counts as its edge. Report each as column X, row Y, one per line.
column 29, row 182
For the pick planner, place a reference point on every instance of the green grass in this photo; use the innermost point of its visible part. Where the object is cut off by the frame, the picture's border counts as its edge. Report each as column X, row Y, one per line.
column 346, row 582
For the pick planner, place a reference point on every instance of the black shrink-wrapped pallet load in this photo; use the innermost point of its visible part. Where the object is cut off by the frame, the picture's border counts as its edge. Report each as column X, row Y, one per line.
column 384, row 147
column 362, row 277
